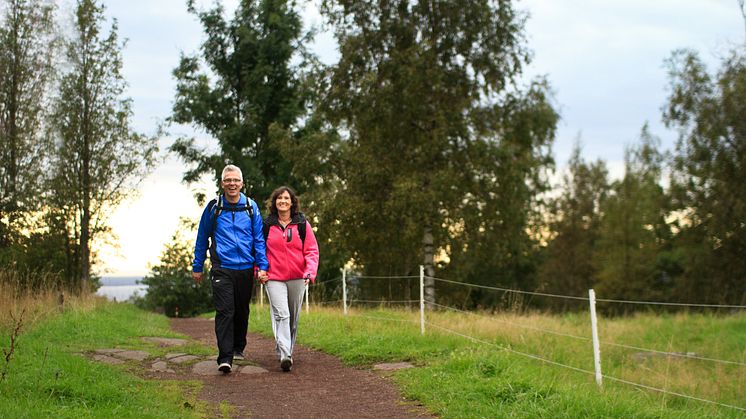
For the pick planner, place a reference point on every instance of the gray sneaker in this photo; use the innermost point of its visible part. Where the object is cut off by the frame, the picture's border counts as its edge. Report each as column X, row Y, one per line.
column 286, row 364
column 239, row 356
column 224, row 367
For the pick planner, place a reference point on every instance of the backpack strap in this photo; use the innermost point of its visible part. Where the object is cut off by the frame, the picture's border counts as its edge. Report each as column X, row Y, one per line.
column 299, row 220
column 218, row 204
column 302, row 232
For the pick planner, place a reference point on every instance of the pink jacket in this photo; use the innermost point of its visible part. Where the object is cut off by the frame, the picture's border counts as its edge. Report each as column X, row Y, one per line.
column 291, row 259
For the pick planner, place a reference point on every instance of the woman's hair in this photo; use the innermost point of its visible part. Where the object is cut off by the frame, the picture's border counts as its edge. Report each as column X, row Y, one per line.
column 294, row 202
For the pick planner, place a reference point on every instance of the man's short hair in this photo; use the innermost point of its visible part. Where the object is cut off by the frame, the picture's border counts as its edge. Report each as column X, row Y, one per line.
column 231, row 168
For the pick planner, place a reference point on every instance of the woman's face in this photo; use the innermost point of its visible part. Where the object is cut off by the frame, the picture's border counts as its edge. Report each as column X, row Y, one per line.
column 283, row 202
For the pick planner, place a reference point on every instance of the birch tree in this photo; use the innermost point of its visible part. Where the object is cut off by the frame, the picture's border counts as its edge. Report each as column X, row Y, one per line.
column 99, row 158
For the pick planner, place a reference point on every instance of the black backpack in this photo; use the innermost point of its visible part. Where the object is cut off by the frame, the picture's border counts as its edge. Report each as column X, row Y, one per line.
column 220, row 206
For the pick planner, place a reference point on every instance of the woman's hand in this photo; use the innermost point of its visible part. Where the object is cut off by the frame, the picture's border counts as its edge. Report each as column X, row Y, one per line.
column 263, row 277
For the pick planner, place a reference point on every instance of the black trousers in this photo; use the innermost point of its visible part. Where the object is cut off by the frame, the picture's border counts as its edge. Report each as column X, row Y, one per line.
column 231, row 291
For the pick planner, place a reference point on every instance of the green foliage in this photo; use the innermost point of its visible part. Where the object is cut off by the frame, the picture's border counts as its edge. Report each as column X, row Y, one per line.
column 575, row 219
column 27, row 46
column 251, row 85
column 632, row 249
column 708, row 171
column 435, row 138
column 170, row 284
column 50, row 378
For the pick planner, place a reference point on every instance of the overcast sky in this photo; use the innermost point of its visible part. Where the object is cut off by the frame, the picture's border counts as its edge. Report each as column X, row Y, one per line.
column 604, row 60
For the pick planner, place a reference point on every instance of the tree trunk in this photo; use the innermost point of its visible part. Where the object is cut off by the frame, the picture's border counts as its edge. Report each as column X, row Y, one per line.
column 428, row 248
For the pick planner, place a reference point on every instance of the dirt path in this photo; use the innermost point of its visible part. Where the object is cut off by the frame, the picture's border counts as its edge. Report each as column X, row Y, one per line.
column 319, row 386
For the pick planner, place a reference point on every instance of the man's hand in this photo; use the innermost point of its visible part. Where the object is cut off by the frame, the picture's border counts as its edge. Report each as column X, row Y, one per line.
column 197, row 276
column 263, row 277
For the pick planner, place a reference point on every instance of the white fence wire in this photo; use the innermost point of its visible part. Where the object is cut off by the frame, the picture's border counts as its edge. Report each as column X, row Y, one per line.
column 348, row 302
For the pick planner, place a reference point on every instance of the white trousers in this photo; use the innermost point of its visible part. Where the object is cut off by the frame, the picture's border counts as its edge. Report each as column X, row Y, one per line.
column 285, row 303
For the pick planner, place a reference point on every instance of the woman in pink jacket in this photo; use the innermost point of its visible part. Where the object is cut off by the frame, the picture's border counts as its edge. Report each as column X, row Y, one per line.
column 293, row 255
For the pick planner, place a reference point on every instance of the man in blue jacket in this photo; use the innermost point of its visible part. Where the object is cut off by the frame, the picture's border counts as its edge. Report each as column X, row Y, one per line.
column 232, row 226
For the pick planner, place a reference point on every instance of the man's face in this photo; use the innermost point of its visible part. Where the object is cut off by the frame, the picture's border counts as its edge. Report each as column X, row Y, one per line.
column 232, row 184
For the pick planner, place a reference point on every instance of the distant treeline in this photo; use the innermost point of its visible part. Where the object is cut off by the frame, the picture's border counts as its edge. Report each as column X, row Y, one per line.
column 419, row 147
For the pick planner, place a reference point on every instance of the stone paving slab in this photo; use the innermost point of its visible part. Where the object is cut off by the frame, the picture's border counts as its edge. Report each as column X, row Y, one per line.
column 161, row 366
column 109, row 351
column 165, row 341
column 106, row 359
column 182, row 359
column 136, row 355
column 392, row 366
column 175, row 355
column 206, row 368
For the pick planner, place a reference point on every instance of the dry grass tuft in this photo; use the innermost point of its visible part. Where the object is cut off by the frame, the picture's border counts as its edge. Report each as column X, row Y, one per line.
column 39, row 295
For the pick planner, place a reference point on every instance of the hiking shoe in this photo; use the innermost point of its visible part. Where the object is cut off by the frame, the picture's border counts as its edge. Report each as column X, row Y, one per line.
column 239, row 356
column 286, row 364
column 224, row 367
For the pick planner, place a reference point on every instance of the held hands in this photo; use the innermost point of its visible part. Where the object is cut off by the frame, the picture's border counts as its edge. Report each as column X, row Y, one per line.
column 262, row 276
column 197, row 276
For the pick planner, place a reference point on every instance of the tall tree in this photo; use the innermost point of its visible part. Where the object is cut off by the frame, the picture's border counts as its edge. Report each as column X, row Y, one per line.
column 249, row 84
column 574, row 224
column 99, row 159
column 631, row 252
column 27, row 45
column 709, row 168
column 442, row 153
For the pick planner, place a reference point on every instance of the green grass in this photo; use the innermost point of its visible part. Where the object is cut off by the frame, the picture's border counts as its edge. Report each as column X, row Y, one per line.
column 459, row 378
column 49, row 375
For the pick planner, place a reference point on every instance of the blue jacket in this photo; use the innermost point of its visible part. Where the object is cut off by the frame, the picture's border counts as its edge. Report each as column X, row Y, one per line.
column 238, row 241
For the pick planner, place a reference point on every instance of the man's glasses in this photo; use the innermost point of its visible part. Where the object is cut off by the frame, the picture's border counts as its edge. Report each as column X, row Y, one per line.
column 232, row 180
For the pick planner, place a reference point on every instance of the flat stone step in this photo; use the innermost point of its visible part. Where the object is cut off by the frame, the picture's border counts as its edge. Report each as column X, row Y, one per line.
column 136, row 355
column 392, row 366
column 182, row 359
column 165, row 341
column 161, row 366
column 106, row 359
column 206, row 368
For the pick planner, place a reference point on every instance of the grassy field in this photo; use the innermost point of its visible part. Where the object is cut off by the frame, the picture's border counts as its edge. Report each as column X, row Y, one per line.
column 489, row 374
column 459, row 377
column 47, row 374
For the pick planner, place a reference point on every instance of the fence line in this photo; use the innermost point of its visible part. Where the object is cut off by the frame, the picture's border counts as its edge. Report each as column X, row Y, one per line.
column 572, row 297
column 678, row 354
column 532, row 356
column 328, row 302
column 538, row 329
column 674, row 393
column 327, row 280
column 514, row 324
column 508, row 289
column 384, row 301
column 536, row 357
column 658, row 303
column 382, row 318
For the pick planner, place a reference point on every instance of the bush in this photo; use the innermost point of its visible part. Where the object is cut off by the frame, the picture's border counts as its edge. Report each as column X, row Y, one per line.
column 170, row 284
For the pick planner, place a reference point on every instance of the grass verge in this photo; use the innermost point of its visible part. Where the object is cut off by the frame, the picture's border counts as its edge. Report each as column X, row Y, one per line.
column 49, row 375
column 486, row 376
